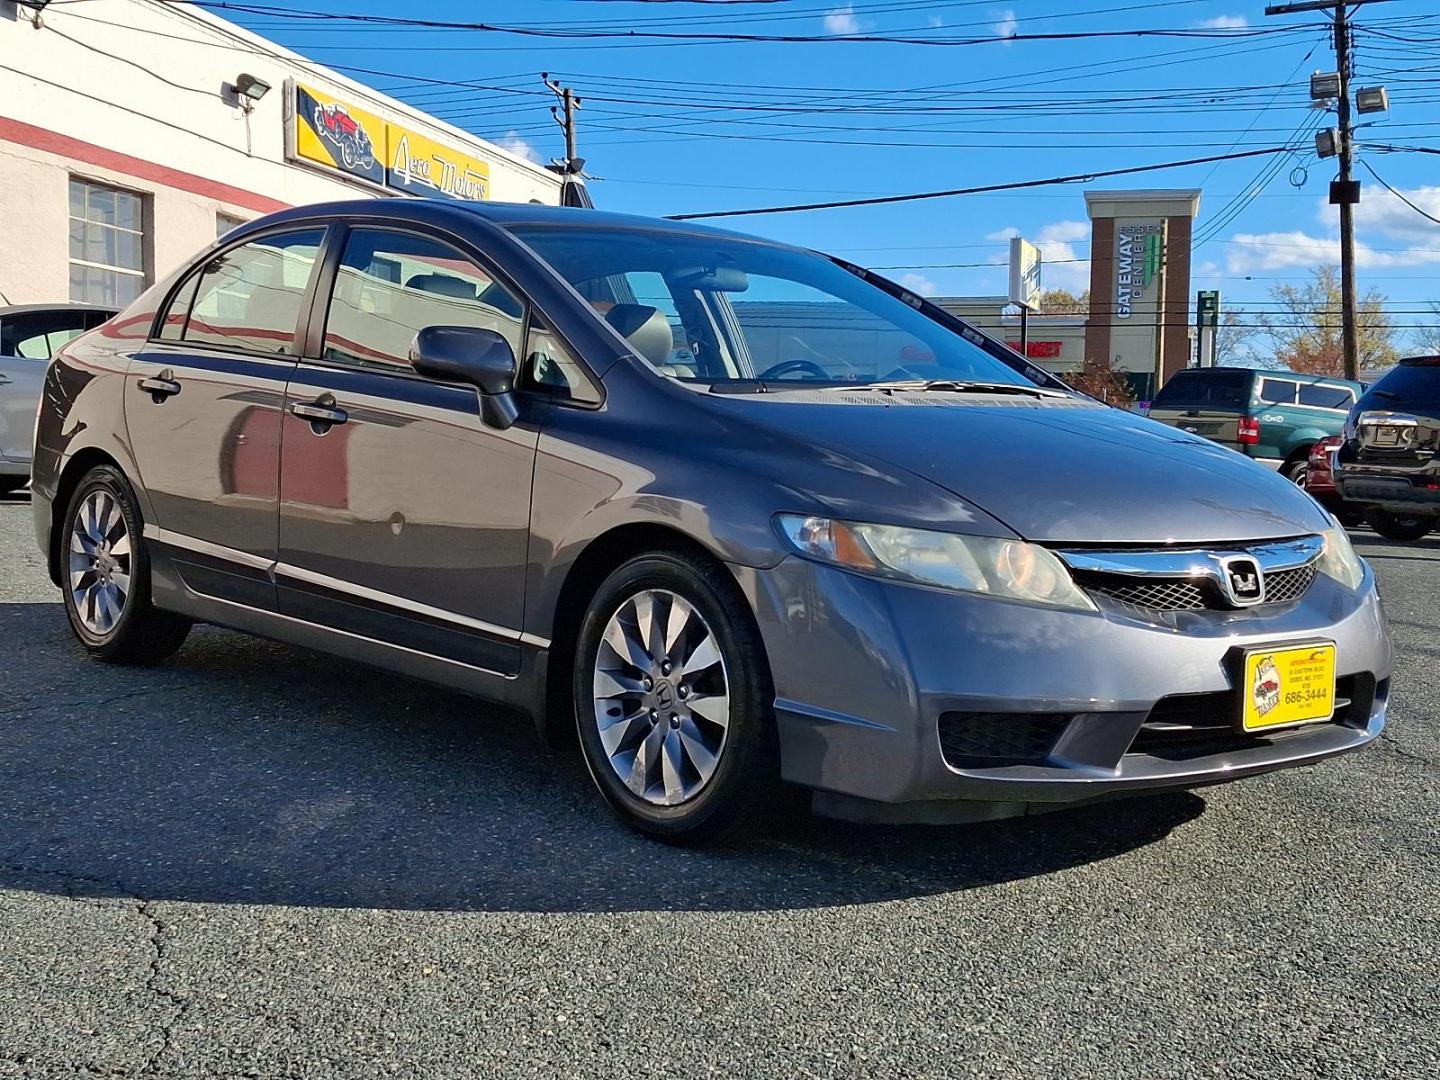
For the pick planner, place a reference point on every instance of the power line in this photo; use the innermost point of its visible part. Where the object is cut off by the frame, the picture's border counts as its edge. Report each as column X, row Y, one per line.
column 1084, row 177
column 1381, row 180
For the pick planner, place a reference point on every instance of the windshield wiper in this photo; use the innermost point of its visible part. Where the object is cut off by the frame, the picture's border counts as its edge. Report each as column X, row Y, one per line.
column 953, row 386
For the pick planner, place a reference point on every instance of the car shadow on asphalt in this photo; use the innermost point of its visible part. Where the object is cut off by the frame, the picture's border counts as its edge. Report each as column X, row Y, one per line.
column 244, row 771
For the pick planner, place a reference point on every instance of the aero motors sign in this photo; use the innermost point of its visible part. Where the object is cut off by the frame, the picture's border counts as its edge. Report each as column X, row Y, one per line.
column 340, row 137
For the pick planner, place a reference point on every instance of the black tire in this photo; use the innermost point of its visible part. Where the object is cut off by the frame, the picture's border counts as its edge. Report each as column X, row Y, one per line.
column 10, row 484
column 1399, row 527
column 142, row 634
column 1295, row 471
column 746, row 774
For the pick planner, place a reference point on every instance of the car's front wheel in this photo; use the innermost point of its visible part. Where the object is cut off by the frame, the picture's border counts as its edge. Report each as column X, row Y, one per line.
column 1399, row 527
column 106, row 572
column 673, row 699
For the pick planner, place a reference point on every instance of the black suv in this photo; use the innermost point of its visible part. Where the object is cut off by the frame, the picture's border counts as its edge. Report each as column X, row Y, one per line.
column 1389, row 464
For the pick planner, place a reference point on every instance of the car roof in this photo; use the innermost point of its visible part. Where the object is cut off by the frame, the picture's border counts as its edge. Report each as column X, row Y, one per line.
column 67, row 305
column 1281, row 373
column 501, row 214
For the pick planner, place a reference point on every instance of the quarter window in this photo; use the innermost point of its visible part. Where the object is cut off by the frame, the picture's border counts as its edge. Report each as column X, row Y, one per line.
column 391, row 285
column 1327, row 397
column 107, row 244
column 249, row 297
column 1277, row 391
column 552, row 368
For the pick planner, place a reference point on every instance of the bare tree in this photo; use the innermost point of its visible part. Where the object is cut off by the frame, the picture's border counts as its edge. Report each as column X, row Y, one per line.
column 1425, row 339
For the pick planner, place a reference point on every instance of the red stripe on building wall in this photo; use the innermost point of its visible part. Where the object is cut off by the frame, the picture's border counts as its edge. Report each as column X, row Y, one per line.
column 52, row 142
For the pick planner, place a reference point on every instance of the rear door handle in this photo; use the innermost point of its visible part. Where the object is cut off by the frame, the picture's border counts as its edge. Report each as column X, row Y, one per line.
column 161, row 386
column 319, row 413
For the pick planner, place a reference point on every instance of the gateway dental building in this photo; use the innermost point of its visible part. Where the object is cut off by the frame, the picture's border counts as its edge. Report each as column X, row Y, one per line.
column 133, row 133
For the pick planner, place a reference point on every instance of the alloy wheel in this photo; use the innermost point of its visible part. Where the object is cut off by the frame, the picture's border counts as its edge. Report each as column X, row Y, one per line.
column 662, row 697
column 100, row 560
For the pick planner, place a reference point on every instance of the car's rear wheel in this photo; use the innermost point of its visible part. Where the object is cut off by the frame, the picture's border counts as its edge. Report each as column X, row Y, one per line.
column 673, row 699
column 106, row 575
column 1296, row 471
column 1399, row 527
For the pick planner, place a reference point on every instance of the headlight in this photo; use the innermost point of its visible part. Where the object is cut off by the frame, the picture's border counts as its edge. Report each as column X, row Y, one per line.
column 980, row 564
column 1339, row 560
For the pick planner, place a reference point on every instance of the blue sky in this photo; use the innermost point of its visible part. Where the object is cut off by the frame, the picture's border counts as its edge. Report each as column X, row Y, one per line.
column 662, row 132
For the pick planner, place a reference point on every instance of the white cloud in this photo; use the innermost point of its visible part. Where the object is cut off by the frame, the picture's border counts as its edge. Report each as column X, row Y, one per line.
column 842, row 20
column 919, row 283
column 1406, row 238
column 935, row 22
column 1005, row 24
column 516, row 145
column 1222, row 22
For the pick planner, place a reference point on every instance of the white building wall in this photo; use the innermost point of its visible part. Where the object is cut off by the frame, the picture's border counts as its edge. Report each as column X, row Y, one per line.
column 163, row 100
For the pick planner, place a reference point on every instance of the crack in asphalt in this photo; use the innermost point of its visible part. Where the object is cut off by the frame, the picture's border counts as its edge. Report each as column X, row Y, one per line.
column 153, row 983
column 89, row 703
column 1387, row 742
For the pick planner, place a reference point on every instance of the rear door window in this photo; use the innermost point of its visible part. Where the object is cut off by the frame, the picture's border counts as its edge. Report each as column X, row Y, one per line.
column 1327, row 397
column 1277, row 391
column 1205, row 390
column 1406, row 386
column 37, row 335
column 249, row 297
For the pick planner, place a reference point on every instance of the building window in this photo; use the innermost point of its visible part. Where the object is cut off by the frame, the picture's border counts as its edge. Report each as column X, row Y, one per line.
column 224, row 223
column 107, row 244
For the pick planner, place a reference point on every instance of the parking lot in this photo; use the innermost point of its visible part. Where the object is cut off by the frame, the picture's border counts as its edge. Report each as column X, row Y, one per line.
column 259, row 861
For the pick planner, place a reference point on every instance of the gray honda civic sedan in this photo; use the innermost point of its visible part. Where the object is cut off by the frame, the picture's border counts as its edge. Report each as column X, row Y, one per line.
column 724, row 512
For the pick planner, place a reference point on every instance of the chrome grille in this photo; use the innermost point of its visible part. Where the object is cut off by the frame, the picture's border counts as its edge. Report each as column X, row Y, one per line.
column 1162, row 594
column 1178, row 580
column 1282, row 586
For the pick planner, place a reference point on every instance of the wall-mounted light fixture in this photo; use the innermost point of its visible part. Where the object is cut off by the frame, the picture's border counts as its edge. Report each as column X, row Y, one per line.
column 250, row 87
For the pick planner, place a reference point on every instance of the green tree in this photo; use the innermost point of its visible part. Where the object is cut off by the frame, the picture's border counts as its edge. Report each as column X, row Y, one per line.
column 1303, row 324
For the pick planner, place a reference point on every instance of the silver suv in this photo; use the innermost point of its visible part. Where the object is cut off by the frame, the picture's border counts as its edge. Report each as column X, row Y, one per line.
column 727, row 512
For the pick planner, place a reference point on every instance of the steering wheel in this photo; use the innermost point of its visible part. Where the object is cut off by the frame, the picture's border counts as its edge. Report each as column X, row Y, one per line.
column 785, row 367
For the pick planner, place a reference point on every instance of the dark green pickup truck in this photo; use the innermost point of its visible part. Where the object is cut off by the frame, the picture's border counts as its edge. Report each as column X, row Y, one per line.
column 1274, row 417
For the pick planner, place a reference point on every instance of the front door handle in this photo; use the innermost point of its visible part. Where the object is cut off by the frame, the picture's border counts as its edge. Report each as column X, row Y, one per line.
column 161, row 386
column 321, row 414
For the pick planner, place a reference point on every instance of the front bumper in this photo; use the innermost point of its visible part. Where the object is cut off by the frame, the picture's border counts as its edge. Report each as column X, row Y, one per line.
column 864, row 670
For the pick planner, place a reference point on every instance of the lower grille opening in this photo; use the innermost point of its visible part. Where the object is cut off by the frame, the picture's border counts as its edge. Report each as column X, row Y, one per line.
column 1186, row 726
column 974, row 740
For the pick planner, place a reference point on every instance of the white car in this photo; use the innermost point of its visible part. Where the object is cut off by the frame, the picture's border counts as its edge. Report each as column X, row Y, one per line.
column 29, row 336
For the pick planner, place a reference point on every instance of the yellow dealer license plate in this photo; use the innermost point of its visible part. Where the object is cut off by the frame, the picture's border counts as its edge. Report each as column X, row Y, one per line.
column 1294, row 685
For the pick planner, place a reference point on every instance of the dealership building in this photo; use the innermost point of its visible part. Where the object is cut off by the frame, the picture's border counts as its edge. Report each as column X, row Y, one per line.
column 134, row 132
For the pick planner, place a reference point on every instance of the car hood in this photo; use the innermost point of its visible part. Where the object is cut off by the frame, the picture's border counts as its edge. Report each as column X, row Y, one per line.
column 1055, row 470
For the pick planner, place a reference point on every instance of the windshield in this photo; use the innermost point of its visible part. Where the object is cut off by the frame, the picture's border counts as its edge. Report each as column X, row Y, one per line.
column 715, row 310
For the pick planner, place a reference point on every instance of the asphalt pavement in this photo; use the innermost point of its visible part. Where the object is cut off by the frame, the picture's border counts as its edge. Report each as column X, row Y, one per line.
column 258, row 861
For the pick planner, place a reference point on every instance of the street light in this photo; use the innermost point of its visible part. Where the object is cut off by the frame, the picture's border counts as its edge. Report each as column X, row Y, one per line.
column 1327, row 142
column 1325, row 86
column 1372, row 99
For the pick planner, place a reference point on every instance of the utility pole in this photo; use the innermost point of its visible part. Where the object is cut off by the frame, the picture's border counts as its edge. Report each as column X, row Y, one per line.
column 573, row 193
column 1344, row 190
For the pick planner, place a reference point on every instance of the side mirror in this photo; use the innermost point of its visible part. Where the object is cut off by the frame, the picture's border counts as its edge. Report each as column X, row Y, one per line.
column 470, row 354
